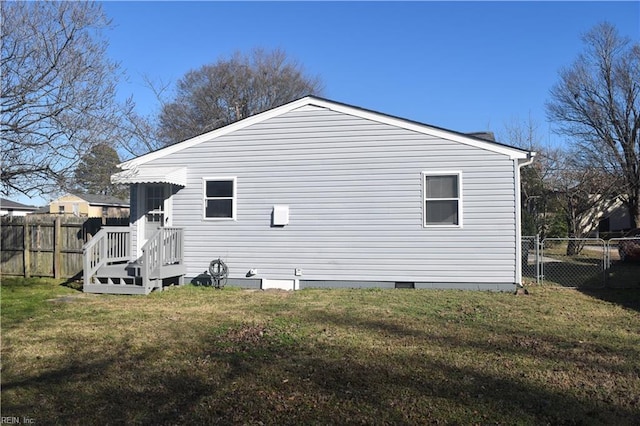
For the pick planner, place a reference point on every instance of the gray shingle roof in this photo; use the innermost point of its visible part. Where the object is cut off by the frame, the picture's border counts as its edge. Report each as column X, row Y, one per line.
column 488, row 136
column 99, row 199
column 13, row 205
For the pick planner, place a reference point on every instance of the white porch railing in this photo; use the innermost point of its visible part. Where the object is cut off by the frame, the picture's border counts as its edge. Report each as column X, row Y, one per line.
column 110, row 245
column 162, row 255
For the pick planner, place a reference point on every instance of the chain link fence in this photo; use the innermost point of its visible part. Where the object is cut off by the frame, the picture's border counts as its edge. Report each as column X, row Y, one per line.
column 531, row 258
column 623, row 263
column 574, row 262
column 582, row 262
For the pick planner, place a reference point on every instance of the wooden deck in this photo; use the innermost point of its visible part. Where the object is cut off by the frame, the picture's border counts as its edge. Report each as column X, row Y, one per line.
column 109, row 267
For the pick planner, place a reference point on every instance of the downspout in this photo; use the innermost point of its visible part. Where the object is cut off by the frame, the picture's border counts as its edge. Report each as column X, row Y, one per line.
column 520, row 164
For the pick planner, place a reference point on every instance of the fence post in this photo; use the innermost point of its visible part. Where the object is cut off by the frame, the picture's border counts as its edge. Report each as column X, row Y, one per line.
column 537, row 258
column 607, row 262
column 57, row 247
column 26, row 247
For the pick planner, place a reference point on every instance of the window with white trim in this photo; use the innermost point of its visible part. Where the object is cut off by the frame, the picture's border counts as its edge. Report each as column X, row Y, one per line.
column 442, row 199
column 219, row 198
column 154, row 204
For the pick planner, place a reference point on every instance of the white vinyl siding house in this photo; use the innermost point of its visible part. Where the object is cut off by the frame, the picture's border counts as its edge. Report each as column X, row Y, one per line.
column 370, row 200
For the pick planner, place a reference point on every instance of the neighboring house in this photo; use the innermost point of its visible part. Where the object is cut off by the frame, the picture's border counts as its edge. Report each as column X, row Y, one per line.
column 89, row 205
column 42, row 210
column 615, row 219
column 12, row 208
column 317, row 193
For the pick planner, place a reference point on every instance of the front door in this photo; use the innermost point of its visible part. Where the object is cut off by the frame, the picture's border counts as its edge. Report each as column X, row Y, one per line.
column 154, row 206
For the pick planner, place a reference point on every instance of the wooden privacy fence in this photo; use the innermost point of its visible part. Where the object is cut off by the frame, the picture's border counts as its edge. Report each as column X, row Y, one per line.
column 48, row 245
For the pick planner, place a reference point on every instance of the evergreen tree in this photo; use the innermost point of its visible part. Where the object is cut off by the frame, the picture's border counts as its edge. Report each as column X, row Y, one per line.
column 93, row 174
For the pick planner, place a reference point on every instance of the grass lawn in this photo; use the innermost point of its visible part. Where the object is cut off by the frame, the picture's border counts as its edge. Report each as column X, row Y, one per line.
column 194, row 355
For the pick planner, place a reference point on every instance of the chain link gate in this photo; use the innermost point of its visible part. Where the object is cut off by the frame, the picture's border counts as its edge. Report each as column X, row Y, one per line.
column 582, row 262
column 574, row 262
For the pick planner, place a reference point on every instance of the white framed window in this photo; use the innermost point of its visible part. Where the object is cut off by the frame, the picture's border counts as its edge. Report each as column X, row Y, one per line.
column 219, row 198
column 442, row 199
column 154, row 196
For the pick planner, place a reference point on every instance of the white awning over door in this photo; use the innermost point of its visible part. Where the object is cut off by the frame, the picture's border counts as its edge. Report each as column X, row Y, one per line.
column 173, row 175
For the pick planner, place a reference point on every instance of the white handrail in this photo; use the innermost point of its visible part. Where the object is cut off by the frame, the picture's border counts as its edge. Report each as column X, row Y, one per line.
column 111, row 244
column 165, row 247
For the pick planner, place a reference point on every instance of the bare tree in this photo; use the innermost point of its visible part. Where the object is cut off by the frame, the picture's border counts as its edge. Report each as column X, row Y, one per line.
column 584, row 195
column 597, row 104
column 230, row 90
column 58, row 92
column 138, row 135
column 538, row 202
column 560, row 186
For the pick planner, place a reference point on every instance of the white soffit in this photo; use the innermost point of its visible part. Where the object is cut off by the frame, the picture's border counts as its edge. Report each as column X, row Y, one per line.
column 175, row 175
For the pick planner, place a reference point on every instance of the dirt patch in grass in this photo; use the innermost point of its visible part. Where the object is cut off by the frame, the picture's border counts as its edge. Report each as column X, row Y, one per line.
column 70, row 298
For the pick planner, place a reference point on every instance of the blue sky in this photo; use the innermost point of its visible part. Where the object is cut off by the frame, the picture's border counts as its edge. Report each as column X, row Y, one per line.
column 466, row 66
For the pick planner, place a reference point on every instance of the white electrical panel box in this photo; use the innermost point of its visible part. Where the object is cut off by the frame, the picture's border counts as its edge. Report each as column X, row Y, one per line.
column 280, row 215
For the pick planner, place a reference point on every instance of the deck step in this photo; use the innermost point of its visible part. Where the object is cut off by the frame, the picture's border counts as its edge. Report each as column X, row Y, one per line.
column 115, row 289
column 126, row 278
column 120, row 270
column 127, row 274
column 118, row 280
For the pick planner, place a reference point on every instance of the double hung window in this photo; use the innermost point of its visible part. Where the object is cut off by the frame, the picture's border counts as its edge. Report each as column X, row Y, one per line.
column 442, row 199
column 219, row 198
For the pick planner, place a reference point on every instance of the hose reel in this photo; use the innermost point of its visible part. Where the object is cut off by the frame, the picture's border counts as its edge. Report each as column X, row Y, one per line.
column 219, row 272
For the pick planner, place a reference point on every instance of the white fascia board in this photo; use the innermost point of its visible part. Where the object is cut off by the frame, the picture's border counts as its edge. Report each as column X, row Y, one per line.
column 512, row 153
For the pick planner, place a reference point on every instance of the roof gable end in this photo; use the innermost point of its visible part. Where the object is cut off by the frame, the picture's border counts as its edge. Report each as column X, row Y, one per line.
column 315, row 102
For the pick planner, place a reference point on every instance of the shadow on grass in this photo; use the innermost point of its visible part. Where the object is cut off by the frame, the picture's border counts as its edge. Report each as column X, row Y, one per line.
column 269, row 383
column 75, row 282
column 483, row 339
column 624, row 275
column 620, row 284
column 626, row 297
column 268, row 374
